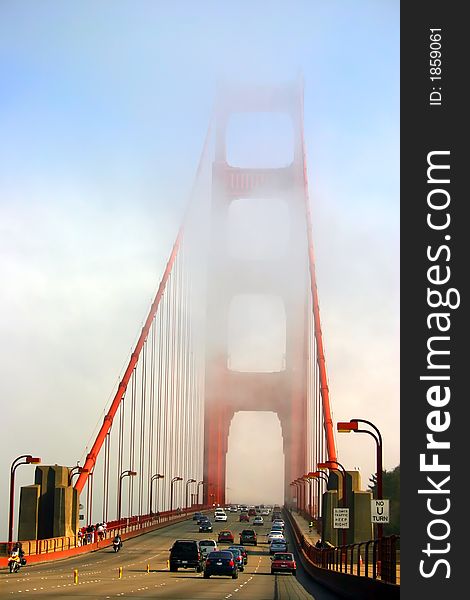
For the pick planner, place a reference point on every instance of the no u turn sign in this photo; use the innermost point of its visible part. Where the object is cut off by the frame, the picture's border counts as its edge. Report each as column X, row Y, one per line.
column 379, row 511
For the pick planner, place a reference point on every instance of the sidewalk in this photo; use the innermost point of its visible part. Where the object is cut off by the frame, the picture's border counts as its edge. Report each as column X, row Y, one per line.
column 312, row 536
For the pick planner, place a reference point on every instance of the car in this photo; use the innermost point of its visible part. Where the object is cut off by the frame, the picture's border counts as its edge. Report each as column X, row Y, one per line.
column 206, row 546
column 278, row 545
column 275, row 515
column 238, row 556
column 258, row 521
column 265, row 511
column 186, row 554
column 252, row 512
column 233, row 509
column 248, row 536
column 244, row 517
column 226, row 536
column 197, row 516
column 279, row 522
column 221, row 562
column 219, row 510
column 205, row 526
column 202, row 518
column 277, row 527
column 220, row 516
column 283, row 562
column 274, row 535
column 242, row 550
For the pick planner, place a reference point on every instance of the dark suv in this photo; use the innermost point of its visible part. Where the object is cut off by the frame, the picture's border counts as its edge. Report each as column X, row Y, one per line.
column 248, row 536
column 186, row 554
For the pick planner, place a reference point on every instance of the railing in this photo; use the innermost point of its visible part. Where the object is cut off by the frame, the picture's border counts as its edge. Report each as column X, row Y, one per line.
column 373, row 559
column 125, row 527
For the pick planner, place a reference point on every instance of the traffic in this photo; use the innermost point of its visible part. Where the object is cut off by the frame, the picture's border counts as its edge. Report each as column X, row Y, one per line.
column 176, row 562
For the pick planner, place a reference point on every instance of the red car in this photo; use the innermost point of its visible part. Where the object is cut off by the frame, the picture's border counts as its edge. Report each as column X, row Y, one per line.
column 245, row 517
column 226, row 536
column 283, row 562
column 252, row 512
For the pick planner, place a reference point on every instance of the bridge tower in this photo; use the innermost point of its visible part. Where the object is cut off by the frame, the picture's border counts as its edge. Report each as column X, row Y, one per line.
column 228, row 391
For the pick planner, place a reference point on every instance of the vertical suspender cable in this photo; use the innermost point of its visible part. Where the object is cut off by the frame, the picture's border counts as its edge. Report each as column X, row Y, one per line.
column 93, row 454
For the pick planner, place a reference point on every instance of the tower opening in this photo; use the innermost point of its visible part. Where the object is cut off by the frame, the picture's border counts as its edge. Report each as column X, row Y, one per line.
column 255, row 459
column 256, row 334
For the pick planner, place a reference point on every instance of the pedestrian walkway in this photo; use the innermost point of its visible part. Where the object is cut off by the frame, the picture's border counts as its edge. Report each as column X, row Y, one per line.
column 311, row 535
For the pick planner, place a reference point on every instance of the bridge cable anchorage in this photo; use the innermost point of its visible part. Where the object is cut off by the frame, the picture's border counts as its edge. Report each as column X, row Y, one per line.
column 93, row 454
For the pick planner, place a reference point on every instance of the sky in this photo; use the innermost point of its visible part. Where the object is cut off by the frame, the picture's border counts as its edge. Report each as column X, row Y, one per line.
column 103, row 112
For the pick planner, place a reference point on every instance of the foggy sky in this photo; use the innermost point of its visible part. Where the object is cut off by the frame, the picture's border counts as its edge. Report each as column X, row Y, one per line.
column 103, row 112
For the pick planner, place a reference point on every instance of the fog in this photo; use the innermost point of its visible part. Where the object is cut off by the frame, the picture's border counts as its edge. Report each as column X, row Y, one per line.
column 103, row 114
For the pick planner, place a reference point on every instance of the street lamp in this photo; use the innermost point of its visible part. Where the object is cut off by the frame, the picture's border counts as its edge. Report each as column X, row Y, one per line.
column 318, row 475
column 187, row 485
column 297, row 484
column 152, row 479
column 127, row 473
column 199, row 483
column 76, row 471
column 330, row 464
column 171, row 491
column 28, row 460
column 353, row 426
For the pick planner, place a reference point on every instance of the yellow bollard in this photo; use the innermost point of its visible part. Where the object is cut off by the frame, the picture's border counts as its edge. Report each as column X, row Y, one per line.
column 120, row 572
column 148, row 568
column 168, row 564
column 75, row 576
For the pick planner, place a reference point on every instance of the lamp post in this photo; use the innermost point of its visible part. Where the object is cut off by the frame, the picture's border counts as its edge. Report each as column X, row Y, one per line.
column 76, row 471
column 127, row 473
column 152, row 479
column 297, row 484
column 353, row 426
column 309, row 481
column 199, row 483
column 171, row 491
column 318, row 475
column 28, row 460
column 292, row 484
column 329, row 464
column 187, row 485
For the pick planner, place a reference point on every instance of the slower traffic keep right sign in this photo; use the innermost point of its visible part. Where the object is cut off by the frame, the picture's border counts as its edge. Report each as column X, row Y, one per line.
column 379, row 511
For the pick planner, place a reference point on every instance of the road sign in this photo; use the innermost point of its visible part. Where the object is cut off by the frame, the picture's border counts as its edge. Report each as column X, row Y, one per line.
column 341, row 518
column 380, row 511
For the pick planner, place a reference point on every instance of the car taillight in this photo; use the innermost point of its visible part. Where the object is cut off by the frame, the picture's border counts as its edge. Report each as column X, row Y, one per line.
column 208, row 562
column 231, row 563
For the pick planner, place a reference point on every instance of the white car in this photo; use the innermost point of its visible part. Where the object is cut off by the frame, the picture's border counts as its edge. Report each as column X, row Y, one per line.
column 219, row 516
column 258, row 521
column 279, row 522
column 275, row 535
column 206, row 546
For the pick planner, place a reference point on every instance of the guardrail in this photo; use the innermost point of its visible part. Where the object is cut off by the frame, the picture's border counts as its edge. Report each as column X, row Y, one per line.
column 38, row 550
column 369, row 569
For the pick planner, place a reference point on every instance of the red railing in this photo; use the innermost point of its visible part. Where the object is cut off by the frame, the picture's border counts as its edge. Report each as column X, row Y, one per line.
column 374, row 559
column 125, row 527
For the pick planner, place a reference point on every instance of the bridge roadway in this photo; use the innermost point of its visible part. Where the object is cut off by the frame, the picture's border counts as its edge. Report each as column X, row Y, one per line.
column 98, row 572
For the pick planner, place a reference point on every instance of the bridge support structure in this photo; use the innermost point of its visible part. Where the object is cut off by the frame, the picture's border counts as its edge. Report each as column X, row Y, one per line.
column 228, row 391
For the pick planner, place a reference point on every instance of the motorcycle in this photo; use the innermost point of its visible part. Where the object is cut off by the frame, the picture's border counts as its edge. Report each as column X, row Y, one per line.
column 15, row 562
column 117, row 545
